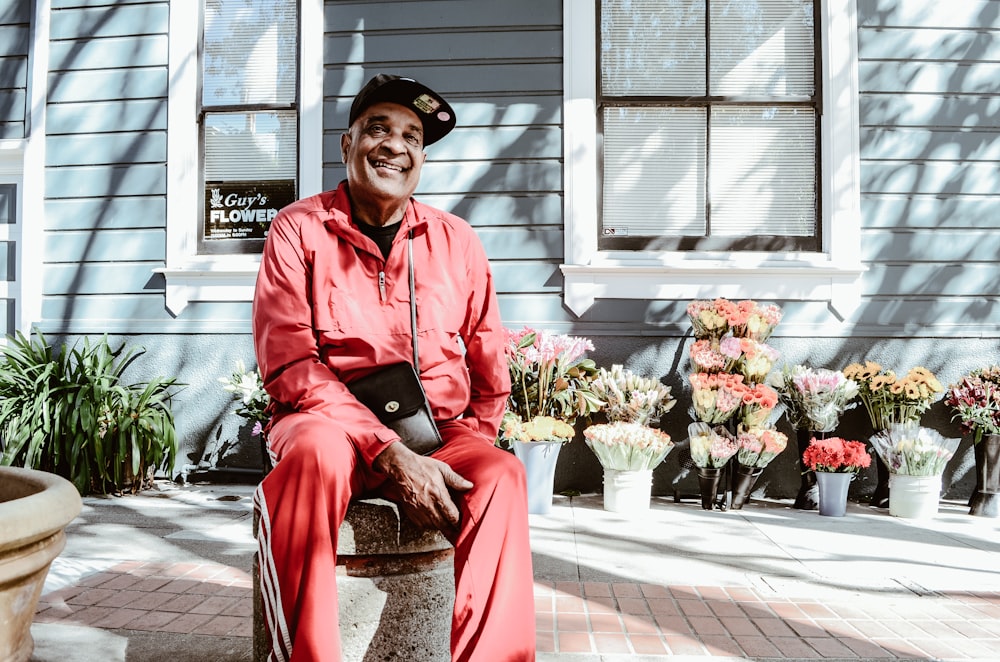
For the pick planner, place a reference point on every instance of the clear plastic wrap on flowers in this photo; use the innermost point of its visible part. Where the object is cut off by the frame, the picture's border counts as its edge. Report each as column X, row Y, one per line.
column 627, row 446
column 711, row 447
column 910, row 450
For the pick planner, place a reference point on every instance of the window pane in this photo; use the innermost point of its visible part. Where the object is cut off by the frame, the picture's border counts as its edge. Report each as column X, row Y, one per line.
column 8, row 203
column 250, row 50
column 250, row 145
column 654, row 171
column 652, row 47
column 763, row 171
column 762, row 47
column 250, row 172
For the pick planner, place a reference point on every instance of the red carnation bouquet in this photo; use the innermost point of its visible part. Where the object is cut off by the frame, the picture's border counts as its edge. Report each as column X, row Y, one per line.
column 836, row 455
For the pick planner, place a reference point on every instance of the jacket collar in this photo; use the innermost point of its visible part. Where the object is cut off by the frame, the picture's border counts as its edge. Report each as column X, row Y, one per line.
column 339, row 207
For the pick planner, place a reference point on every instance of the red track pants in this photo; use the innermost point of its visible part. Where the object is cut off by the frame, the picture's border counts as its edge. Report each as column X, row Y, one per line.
column 303, row 501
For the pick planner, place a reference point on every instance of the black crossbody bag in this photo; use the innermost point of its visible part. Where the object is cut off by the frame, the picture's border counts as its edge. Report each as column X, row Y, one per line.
column 394, row 393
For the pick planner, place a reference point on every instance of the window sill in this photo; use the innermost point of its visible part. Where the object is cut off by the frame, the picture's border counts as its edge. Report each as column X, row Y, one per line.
column 731, row 276
column 228, row 278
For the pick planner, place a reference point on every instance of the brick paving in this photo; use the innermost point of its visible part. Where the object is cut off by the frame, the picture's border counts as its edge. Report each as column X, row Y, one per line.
column 602, row 618
column 183, row 598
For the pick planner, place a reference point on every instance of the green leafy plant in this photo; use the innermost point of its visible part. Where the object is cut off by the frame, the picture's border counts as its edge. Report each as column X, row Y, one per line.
column 68, row 411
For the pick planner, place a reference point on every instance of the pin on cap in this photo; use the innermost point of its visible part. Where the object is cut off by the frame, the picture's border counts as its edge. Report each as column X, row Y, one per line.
column 434, row 112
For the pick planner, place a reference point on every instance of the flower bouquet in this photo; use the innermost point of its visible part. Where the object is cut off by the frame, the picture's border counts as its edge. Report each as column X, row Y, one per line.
column 717, row 397
column 975, row 402
column 916, row 457
column 814, row 398
column 890, row 399
column 835, row 461
column 630, row 398
column 743, row 319
column 627, row 446
column 711, row 449
column 549, row 378
column 910, row 450
column 247, row 388
column 836, row 455
column 756, row 447
column 550, row 389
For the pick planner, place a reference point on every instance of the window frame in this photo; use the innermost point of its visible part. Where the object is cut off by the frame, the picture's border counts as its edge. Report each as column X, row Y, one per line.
column 188, row 275
column 832, row 275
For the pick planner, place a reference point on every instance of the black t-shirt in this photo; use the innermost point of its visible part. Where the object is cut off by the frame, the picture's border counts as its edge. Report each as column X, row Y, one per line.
column 381, row 235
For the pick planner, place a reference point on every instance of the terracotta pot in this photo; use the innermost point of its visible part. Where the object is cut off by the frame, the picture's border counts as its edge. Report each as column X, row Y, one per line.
column 35, row 507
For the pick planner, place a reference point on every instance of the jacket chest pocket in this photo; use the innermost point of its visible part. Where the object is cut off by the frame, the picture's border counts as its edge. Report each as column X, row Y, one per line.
column 345, row 315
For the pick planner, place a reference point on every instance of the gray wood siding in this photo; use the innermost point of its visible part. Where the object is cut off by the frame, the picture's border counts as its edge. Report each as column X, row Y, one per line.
column 930, row 164
column 500, row 66
column 15, row 35
column 105, row 166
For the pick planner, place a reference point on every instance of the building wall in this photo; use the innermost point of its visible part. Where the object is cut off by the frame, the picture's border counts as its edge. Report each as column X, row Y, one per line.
column 930, row 150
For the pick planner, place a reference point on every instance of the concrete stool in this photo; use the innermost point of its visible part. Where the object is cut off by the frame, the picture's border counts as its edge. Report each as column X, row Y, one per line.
column 395, row 585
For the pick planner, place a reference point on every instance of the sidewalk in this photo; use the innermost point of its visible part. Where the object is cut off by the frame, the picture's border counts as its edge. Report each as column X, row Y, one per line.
column 165, row 577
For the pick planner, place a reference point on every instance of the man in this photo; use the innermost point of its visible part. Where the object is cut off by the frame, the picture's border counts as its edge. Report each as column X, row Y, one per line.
column 332, row 305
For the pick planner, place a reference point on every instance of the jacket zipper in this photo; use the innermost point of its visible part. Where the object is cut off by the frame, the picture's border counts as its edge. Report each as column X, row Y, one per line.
column 381, row 285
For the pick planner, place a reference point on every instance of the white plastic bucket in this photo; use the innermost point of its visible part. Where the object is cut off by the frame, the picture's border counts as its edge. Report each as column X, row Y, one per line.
column 627, row 491
column 914, row 497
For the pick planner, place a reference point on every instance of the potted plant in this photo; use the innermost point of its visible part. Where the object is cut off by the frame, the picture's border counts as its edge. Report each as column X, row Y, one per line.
column 975, row 402
column 813, row 399
column 889, row 399
column 836, row 462
column 916, row 458
column 70, row 412
column 550, row 383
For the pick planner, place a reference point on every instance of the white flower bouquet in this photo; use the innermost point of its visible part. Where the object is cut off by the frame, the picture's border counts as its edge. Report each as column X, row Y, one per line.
column 910, row 450
column 627, row 446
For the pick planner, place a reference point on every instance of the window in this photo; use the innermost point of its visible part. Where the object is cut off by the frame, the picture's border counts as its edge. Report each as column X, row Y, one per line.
column 718, row 101
column 246, row 125
column 699, row 153
column 249, row 120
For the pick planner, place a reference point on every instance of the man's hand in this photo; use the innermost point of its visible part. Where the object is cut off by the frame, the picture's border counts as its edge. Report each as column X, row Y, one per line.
column 420, row 485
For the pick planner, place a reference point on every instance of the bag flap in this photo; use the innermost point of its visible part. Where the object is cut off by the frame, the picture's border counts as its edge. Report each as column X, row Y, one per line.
column 391, row 392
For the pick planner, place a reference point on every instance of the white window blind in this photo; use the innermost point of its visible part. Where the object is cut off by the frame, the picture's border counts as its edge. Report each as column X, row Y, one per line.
column 251, row 146
column 709, row 115
column 250, row 52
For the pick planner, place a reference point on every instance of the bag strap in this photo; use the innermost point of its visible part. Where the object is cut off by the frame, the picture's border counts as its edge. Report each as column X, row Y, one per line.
column 413, row 302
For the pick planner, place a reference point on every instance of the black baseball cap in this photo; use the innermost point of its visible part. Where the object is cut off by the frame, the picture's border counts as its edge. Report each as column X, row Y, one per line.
column 434, row 112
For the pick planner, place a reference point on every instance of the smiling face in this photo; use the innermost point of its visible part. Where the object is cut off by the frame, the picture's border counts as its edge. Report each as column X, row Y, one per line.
column 383, row 151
